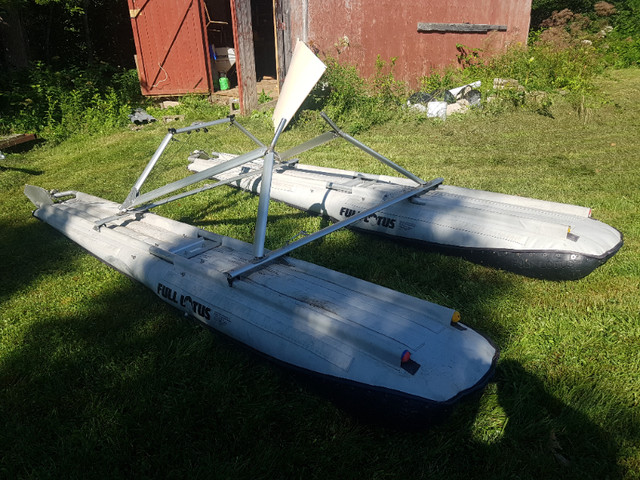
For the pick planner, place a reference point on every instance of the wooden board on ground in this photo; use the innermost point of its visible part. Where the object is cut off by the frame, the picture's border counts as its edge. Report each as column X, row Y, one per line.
column 16, row 139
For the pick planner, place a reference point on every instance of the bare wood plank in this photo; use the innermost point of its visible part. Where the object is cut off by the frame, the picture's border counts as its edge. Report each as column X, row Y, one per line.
column 16, row 139
column 459, row 28
column 245, row 59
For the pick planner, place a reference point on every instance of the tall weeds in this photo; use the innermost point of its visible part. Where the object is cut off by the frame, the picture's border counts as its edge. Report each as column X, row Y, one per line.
column 357, row 104
column 60, row 103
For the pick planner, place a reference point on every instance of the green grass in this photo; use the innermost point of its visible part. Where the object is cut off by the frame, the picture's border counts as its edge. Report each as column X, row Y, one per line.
column 100, row 379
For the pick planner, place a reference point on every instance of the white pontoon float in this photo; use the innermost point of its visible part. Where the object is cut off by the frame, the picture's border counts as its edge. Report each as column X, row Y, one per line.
column 394, row 355
column 531, row 237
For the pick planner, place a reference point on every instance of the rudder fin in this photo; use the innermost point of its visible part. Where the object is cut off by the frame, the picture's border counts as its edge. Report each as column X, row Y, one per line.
column 38, row 195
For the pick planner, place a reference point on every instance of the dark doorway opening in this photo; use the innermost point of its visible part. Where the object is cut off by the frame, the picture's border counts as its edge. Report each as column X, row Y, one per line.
column 264, row 40
column 220, row 37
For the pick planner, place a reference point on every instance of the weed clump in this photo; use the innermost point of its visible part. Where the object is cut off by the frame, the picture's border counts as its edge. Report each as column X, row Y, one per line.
column 563, row 56
column 356, row 103
column 604, row 9
column 60, row 103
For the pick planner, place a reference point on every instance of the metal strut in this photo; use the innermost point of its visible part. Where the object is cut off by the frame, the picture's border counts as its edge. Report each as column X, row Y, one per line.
column 265, row 194
column 132, row 198
column 271, row 256
column 135, row 203
column 372, row 152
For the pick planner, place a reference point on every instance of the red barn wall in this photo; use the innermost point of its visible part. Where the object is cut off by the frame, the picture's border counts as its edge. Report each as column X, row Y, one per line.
column 357, row 31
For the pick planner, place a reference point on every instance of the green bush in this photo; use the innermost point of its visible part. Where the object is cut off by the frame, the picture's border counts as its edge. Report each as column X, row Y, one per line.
column 613, row 29
column 627, row 18
column 385, row 87
column 355, row 103
column 339, row 91
column 439, row 81
column 622, row 45
column 544, row 67
column 59, row 103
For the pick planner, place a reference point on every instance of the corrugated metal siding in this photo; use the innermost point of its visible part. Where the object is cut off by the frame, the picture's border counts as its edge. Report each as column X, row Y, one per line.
column 357, row 31
column 172, row 55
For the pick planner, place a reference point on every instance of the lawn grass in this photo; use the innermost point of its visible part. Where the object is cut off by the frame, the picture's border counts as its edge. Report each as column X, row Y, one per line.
column 100, row 379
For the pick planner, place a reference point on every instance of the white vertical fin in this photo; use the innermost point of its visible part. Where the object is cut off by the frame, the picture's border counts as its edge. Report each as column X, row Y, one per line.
column 304, row 72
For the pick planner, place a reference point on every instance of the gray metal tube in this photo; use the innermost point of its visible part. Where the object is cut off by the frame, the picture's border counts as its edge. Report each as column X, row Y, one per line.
column 247, row 133
column 198, row 190
column 283, row 123
column 149, row 206
column 191, row 128
column 372, row 152
column 233, row 274
column 265, row 194
column 263, row 206
column 197, row 177
column 147, row 170
column 308, row 145
column 130, row 200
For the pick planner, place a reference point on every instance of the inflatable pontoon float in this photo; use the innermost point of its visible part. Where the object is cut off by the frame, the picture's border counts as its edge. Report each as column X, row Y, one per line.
column 531, row 237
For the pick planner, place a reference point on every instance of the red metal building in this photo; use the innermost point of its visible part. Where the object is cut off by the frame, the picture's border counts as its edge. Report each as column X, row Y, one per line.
column 184, row 45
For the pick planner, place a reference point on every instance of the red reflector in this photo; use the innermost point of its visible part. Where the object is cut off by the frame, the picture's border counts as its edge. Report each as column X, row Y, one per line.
column 406, row 356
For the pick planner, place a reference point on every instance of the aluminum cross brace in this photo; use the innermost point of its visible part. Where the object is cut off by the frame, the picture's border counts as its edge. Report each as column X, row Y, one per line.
column 271, row 256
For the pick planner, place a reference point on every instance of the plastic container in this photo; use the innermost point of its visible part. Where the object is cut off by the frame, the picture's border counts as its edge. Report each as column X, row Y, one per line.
column 224, row 82
column 437, row 109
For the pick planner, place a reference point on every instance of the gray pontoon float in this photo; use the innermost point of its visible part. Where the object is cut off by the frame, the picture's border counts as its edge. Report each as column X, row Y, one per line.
column 536, row 238
column 393, row 355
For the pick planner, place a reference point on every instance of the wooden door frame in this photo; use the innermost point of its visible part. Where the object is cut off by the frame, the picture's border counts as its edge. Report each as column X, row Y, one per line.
column 245, row 57
column 205, row 39
column 282, row 32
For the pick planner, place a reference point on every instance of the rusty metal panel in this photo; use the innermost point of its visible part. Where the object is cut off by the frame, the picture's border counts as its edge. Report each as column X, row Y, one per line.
column 172, row 51
column 357, row 31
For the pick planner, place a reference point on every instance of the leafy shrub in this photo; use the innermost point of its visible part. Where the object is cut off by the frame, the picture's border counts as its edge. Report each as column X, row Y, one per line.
column 546, row 67
column 612, row 30
column 626, row 21
column 439, row 81
column 624, row 52
column 339, row 91
column 355, row 103
column 469, row 57
column 621, row 45
column 60, row 103
column 385, row 87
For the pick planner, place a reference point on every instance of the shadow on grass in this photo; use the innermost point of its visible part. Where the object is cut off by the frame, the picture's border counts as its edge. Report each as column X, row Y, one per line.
column 125, row 387
column 28, row 171
column 526, row 432
column 31, row 250
column 121, row 386
column 247, row 221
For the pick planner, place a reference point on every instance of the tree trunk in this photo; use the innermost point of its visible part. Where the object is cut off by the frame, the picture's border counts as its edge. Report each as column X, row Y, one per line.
column 87, row 33
column 13, row 40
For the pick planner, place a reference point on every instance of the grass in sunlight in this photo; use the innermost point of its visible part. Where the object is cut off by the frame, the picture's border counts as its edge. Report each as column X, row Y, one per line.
column 100, row 379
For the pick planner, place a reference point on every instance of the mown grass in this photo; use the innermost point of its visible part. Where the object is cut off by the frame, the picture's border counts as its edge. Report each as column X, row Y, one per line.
column 99, row 379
